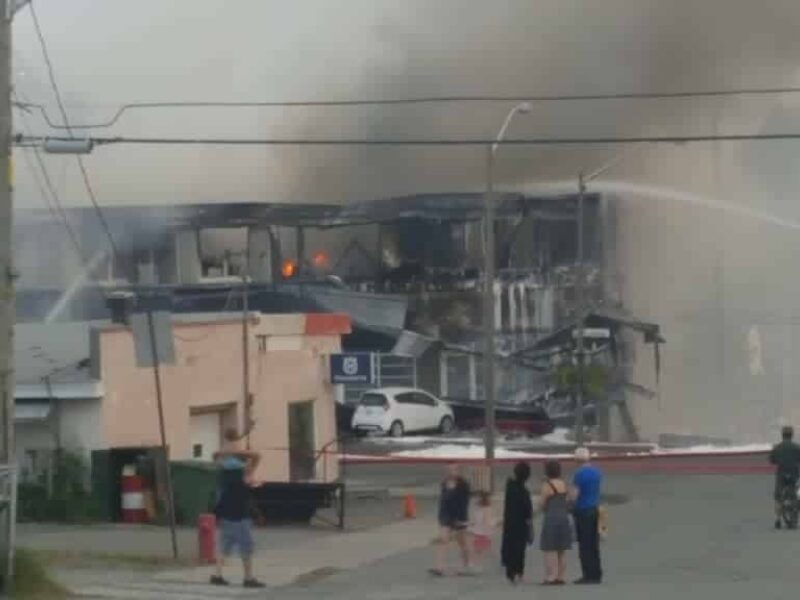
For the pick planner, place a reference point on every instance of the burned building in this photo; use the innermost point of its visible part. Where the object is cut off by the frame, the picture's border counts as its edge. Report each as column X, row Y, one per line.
column 397, row 266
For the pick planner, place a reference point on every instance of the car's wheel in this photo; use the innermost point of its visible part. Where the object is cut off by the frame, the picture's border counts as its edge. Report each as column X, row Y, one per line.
column 446, row 425
column 397, row 430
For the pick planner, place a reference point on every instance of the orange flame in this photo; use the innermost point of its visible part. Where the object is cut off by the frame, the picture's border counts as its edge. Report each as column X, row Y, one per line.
column 320, row 259
column 289, row 269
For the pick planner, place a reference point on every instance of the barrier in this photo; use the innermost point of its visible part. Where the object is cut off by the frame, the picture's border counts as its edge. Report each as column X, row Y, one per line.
column 133, row 508
column 410, row 507
column 754, row 462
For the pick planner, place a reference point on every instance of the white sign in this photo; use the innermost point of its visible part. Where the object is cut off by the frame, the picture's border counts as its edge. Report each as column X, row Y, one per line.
column 594, row 333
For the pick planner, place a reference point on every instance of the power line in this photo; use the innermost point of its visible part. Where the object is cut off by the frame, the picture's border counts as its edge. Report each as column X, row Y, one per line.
column 84, row 173
column 132, row 106
column 526, row 141
column 58, row 213
column 52, row 200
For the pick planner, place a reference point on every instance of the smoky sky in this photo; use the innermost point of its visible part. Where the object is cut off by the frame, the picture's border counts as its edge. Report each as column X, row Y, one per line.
column 116, row 51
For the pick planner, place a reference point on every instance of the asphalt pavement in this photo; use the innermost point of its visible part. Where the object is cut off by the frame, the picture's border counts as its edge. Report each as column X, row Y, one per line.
column 672, row 535
column 674, row 531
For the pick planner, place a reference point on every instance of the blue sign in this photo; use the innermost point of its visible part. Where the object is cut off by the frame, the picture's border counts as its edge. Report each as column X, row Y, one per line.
column 351, row 368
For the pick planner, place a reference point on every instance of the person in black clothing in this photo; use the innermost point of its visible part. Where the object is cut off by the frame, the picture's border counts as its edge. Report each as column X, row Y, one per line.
column 453, row 519
column 233, row 511
column 517, row 523
column 786, row 458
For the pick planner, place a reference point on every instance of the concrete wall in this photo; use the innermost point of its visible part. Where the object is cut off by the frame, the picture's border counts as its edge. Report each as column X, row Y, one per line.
column 285, row 366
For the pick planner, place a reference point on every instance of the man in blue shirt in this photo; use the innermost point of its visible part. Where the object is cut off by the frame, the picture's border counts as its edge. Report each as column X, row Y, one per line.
column 233, row 508
column 587, row 482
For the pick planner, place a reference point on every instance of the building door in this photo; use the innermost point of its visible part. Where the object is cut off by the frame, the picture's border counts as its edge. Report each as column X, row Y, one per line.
column 206, row 435
column 301, row 441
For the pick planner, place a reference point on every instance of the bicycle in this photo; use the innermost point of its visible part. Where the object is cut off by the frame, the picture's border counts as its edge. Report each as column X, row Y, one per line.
column 790, row 506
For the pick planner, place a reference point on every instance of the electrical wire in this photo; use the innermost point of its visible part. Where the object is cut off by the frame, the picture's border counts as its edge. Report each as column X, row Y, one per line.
column 84, row 172
column 132, row 106
column 527, row 141
column 49, row 193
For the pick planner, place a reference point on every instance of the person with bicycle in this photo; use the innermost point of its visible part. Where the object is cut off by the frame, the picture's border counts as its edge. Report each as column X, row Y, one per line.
column 786, row 458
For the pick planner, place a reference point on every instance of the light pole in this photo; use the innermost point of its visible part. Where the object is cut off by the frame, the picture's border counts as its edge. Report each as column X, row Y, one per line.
column 488, row 291
column 580, row 277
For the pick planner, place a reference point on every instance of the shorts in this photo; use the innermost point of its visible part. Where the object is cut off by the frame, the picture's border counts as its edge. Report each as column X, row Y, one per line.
column 236, row 535
column 782, row 481
column 452, row 524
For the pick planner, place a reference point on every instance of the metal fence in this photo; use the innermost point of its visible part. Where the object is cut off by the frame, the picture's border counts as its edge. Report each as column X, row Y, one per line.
column 8, row 520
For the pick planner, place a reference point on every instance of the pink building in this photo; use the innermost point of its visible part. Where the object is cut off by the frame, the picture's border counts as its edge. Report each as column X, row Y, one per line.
column 293, row 407
column 79, row 389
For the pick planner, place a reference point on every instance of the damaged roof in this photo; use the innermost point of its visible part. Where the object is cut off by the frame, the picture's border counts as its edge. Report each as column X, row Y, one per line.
column 438, row 207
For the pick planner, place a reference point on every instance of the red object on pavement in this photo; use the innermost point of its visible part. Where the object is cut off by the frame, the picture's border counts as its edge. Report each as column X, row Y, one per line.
column 133, row 509
column 206, row 538
column 410, row 507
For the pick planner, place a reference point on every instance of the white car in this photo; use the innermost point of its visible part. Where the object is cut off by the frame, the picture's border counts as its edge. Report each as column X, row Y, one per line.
column 397, row 411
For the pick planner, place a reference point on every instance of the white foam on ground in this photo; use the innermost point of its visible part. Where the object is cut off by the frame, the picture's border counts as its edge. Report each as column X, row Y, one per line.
column 472, row 451
column 711, row 449
column 562, row 435
column 419, row 440
column 476, row 451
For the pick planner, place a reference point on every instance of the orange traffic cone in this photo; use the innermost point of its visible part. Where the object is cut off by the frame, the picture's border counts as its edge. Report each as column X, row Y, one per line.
column 410, row 507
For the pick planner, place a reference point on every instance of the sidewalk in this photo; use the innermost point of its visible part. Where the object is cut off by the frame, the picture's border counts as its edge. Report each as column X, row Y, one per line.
column 324, row 555
column 686, row 536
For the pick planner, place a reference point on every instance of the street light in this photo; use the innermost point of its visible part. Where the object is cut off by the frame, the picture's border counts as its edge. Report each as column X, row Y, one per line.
column 488, row 292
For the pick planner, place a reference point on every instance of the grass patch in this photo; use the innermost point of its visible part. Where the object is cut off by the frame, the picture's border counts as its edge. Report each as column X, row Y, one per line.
column 315, row 575
column 31, row 581
column 67, row 558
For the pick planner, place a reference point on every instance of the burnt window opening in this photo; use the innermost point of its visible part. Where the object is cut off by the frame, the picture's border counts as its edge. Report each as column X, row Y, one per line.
column 223, row 252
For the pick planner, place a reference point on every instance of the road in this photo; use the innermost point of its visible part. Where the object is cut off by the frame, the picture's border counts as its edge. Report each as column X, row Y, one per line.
column 672, row 534
column 698, row 527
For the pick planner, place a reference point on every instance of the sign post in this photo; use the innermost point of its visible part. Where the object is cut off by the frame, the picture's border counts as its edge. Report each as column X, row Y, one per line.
column 354, row 367
column 154, row 346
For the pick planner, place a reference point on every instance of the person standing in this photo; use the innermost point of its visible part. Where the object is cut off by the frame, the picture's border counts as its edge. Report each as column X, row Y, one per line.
column 587, row 483
column 786, row 458
column 517, row 523
column 556, row 535
column 233, row 511
column 453, row 520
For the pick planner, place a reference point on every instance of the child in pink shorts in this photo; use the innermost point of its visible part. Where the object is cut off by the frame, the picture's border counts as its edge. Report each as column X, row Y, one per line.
column 483, row 526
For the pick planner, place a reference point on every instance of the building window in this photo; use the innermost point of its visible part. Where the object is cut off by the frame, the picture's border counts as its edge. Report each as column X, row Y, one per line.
column 458, row 376
column 223, row 252
column 197, row 451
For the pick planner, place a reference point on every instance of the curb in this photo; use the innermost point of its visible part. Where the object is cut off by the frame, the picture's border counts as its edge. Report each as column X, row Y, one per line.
column 658, row 461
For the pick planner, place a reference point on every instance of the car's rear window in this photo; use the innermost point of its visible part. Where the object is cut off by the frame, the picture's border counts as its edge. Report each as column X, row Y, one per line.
column 373, row 400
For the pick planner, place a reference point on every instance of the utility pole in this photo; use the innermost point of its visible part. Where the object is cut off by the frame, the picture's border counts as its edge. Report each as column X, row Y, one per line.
column 246, row 357
column 489, row 268
column 488, row 313
column 151, row 330
column 580, row 308
column 7, row 459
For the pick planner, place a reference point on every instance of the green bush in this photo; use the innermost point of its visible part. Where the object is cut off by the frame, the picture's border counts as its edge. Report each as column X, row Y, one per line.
column 69, row 500
column 595, row 379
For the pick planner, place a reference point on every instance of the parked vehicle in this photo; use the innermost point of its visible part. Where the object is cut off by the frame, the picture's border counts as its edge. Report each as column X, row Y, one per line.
column 396, row 411
column 523, row 419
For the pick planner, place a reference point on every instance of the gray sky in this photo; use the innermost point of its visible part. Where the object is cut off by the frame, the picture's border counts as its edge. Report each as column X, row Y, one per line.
column 705, row 244
column 115, row 51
